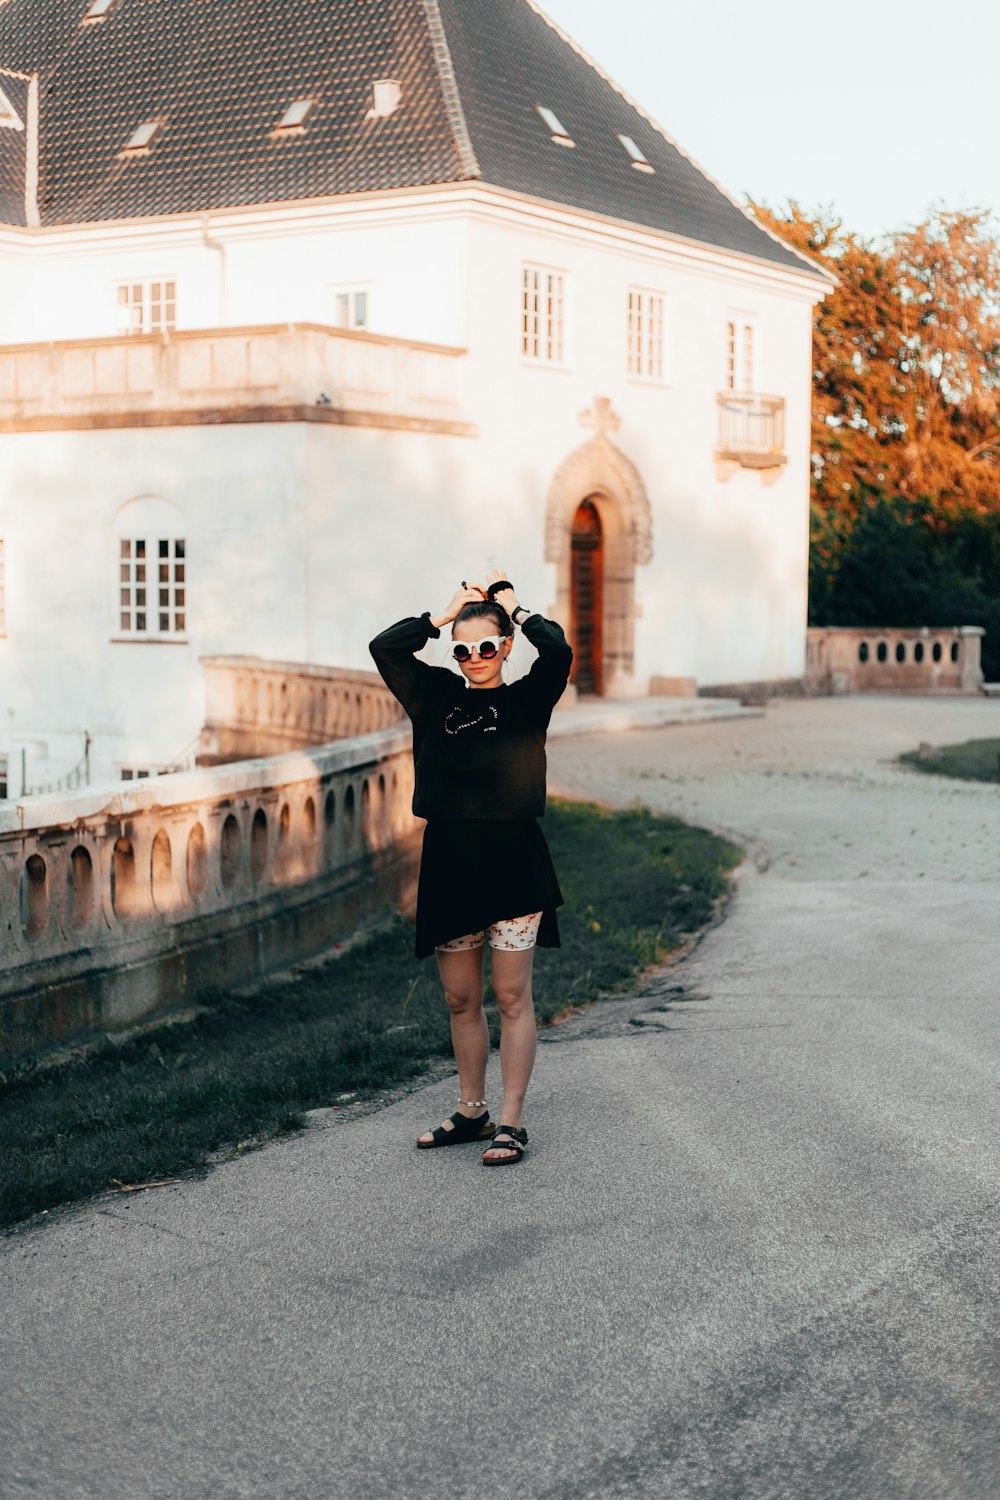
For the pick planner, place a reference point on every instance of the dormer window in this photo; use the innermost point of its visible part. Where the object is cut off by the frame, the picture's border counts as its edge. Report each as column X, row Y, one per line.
column 8, row 114
column 141, row 138
column 638, row 160
column 295, row 115
column 387, row 96
column 97, row 10
column 557, row 129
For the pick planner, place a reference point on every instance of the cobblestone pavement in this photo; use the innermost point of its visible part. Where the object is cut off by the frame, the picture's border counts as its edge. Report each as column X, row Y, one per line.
column 751, row 1254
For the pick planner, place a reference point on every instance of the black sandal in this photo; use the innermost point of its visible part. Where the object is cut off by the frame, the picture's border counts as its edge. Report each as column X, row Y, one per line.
column 465, row 1128
column 510, row 1138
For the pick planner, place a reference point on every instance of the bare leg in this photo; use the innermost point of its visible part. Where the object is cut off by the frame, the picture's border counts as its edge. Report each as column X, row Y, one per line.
column 462, row 978
column 511, row 971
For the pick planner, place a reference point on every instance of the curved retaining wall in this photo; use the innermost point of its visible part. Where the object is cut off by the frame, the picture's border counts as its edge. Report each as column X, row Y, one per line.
column 119, row 905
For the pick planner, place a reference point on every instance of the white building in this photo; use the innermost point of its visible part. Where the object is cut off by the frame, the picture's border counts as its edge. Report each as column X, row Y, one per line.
column 310, row 310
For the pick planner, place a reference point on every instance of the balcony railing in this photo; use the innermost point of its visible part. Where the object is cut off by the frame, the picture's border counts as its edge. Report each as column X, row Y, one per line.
column 751, row 429
column 281, row 372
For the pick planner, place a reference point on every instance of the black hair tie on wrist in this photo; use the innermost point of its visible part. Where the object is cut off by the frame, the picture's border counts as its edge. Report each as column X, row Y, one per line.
column 498, row 587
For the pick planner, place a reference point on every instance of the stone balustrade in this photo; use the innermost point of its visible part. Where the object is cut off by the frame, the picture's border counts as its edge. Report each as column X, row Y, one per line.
column 259, row 707
column 120, row 904
column 855, row 659
column 288, row 371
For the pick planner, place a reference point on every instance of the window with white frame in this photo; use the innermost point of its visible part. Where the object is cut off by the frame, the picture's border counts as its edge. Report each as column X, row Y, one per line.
column 147, row 306
column 741, row 354
column 152, row 587
column 646, row 333
column 3, row 591
column 351, row 307
column 543, row 315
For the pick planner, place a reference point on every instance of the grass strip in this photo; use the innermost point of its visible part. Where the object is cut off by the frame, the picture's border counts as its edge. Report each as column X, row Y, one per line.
column 972, row 760
column 133, row 1111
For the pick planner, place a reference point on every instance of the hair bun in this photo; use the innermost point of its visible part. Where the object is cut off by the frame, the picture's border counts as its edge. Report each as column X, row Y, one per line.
column 498, row 587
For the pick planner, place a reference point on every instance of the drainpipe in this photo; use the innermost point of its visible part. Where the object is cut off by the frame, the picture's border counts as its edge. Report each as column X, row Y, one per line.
column 211, row 244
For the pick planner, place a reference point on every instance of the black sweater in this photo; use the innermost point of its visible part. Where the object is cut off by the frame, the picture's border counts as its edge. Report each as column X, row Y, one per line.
column 477, row 752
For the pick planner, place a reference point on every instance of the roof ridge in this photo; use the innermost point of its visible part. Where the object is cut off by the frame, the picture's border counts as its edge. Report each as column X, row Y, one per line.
column 449, row 89
column 807, row 260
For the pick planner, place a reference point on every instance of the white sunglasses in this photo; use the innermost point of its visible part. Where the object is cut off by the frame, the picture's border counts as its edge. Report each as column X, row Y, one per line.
column 488, row 648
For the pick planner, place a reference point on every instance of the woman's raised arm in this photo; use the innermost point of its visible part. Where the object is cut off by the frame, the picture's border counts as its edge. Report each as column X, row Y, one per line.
column 548, row 676
column 410, row 681
column 549, row 673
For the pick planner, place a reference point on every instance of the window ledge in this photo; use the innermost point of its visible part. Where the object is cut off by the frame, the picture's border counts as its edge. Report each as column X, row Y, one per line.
column 657, row 383
column 150, row 640
column 545, row 364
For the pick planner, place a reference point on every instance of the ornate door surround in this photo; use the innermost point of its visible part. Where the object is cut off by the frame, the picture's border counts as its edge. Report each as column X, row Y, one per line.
column 599, row 472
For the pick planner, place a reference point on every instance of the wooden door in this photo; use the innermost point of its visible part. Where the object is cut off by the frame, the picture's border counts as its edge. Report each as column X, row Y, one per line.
column 587, row 602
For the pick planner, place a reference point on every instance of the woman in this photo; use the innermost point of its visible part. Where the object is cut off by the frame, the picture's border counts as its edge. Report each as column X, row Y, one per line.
column 485, row 869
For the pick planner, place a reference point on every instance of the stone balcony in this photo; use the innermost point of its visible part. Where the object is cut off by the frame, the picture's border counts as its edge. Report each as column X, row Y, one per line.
column 751, row 433
column 288, row 372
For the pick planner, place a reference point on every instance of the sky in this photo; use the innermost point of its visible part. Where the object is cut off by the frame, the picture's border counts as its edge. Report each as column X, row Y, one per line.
column 882, row 110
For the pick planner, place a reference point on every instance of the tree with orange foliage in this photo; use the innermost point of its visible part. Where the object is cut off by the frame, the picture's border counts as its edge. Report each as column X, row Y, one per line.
column 905, row 508
column 948, row 276
column 906, row 362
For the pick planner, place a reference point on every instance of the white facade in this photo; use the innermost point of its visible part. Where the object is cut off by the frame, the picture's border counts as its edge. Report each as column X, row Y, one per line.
column 302, row 539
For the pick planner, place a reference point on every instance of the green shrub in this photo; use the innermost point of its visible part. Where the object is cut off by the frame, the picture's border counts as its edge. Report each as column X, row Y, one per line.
column 900, row 563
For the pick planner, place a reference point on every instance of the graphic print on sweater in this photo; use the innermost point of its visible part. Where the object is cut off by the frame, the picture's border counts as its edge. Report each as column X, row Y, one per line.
column 460, row 719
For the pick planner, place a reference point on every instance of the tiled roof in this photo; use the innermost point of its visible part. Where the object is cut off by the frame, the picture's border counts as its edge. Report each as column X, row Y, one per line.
column 508, row 59
column 219, row 74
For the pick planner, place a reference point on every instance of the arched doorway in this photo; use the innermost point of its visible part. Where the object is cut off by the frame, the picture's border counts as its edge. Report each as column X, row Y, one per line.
column 587, row 598
column 598, row 528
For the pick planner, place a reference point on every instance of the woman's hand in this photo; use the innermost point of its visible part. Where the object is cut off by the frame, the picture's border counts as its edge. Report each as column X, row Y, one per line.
column 469, row 593
column 505, row 597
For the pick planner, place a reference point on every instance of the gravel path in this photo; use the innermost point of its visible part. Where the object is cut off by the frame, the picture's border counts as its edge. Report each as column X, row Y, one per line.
column 752, row 1253
column 811, row 789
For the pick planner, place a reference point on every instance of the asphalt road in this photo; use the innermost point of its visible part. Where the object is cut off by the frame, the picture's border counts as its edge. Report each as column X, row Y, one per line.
column 752, row 1252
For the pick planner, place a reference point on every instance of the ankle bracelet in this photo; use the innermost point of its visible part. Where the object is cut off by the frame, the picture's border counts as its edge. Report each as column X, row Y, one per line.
column 471, row 1103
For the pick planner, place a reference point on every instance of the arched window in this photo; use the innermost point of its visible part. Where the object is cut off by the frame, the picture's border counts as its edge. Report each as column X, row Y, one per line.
column 150, row 578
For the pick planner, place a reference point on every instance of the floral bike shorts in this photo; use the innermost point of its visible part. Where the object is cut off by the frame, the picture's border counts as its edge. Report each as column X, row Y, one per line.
column 511, row 934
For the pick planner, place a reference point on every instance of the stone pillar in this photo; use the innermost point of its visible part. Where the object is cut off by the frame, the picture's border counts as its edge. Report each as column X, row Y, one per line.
column 972, row 672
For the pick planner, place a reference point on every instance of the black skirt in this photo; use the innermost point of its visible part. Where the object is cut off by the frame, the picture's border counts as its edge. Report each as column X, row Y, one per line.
column 477, row 871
